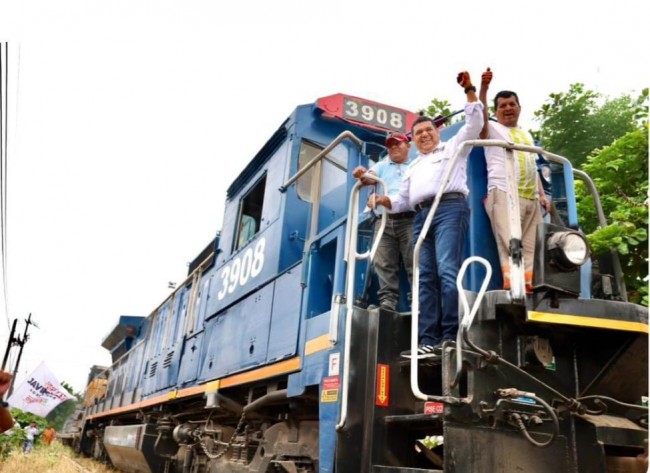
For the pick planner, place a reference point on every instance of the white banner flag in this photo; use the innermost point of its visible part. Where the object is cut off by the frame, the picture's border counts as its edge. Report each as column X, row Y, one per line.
column 40, row 393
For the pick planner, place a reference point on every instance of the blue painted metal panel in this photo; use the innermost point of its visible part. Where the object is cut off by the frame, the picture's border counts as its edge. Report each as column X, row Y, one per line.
column 161, row 320
column 480, row 239
column 285, row 317
column 238, row 337
column 274, row 170
column 572, row 210
column 254, row 264
column 149, row 376
column 313, row 366
column 203, row 298
column 328, row 415
column 167, row 372
column 179, row 314
column 334, row 192
column 135, row 367
column 190, row 359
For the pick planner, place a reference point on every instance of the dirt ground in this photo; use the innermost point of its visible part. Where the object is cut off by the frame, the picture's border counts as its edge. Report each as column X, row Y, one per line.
column 53, row 459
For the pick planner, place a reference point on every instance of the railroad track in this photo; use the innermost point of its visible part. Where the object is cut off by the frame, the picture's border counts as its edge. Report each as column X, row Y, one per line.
column 77, row 466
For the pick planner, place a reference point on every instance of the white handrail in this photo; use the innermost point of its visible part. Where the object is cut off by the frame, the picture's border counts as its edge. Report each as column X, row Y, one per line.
column 415, row 306
column 468, row 315
column 415, row 303
column 351, row 256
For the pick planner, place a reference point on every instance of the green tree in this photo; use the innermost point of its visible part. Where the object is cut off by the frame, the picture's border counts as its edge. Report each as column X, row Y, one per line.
column 620, row 172
column 436, row 107
column 13, row 439
column 60, row 413
column 440, row 108
column 576, row 123
column 609, row 140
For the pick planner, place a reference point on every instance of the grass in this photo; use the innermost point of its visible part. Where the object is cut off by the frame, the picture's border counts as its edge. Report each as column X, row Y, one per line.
column 56, row 458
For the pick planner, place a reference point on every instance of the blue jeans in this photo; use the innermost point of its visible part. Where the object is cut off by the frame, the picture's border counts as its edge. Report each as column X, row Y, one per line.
column 441, row 256
column 27, row 446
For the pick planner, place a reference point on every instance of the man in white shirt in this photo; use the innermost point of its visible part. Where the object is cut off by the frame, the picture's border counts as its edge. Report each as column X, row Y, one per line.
column 398, row 234
column 529, row 186
column 441, row 253
column 31, row 431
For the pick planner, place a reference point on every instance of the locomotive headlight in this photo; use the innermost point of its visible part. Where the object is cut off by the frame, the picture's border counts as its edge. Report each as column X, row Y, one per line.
column 568, row 249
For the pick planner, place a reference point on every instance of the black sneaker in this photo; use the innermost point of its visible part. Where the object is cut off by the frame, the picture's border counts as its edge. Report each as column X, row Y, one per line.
column 424, row 351
column 383, row 305
column 438, row 348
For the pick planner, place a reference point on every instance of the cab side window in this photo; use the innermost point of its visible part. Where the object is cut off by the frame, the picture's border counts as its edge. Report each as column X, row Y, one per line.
column 249, row 221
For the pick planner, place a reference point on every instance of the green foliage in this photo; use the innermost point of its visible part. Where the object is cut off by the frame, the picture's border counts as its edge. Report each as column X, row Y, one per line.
column 620, row 172
column 609, row 139
column 641, row 108
column 13, row 439
column 576, row 123
column 440, row 108
column 60, row 413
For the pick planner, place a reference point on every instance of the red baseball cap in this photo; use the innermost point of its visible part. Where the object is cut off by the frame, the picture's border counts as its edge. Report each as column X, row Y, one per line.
column 397, row 137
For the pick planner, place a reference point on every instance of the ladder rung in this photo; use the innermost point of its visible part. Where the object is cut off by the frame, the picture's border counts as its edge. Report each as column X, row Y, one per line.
column 423, row 362
column 401, row 469
column 422, row 418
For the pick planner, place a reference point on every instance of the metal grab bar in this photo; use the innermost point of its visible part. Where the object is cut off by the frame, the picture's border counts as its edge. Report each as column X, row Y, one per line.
column 370, row 254
column 468, row 315
column 602, row 221
column 321, row 155
column 415, row 303
column 351, row 255
column 569, row 172
column 415, row 311
column 552, row 157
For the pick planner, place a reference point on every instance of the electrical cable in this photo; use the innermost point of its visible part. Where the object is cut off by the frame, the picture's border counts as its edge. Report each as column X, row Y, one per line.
column 601, row 401
column 5, row 183
column 4, row 66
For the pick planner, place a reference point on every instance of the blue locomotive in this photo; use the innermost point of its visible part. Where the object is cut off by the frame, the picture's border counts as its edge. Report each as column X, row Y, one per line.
column 268, row 359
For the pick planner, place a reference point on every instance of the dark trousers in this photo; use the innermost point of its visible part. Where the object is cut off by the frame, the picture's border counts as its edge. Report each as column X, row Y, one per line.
column 397, row 241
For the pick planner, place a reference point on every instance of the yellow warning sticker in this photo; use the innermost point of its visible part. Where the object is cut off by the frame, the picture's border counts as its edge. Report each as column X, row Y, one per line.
column 329, row 395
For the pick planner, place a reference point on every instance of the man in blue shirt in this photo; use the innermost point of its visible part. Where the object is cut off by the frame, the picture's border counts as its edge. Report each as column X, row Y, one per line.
column 398, row 235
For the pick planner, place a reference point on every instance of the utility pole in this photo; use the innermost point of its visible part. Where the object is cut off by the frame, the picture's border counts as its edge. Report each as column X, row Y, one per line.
column 10, row 343
column 22, row 345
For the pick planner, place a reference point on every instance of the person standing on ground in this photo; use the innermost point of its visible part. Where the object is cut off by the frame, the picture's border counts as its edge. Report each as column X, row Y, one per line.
column 31, row 431
column 49, row 435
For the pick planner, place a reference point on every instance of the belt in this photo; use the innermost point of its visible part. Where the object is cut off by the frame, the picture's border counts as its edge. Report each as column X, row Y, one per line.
column 399, row 215
column 446, row 196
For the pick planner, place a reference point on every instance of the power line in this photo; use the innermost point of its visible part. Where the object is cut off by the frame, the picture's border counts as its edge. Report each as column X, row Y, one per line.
column 2, row 154
column 6, row 181
column 4, row 119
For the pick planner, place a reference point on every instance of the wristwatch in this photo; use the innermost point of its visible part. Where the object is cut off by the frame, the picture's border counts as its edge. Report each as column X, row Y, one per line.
column 3, row 404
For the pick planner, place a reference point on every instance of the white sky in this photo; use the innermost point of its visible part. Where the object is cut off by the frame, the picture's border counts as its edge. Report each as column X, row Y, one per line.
column 132, row 117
